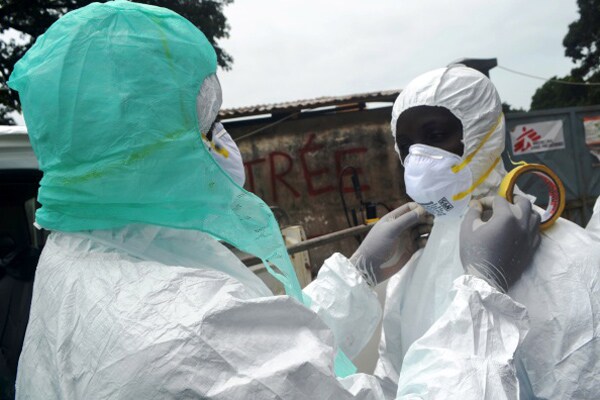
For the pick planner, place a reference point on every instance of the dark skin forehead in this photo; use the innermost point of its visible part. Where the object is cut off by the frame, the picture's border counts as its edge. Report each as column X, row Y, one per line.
column 433, row 126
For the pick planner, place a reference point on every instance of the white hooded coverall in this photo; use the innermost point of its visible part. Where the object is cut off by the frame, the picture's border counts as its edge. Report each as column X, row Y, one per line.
column 561, row 291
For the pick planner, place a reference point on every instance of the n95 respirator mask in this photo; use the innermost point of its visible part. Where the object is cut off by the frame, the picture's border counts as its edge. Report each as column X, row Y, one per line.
column 433, row 181
column 226, row 153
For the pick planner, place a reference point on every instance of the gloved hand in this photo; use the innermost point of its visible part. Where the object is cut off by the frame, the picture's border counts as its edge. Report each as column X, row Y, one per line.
column 498, row 249
column 391, row 242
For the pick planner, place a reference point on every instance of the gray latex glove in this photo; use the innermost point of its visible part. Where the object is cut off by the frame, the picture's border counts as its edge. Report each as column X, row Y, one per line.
column 499, row 248
column 391, row 242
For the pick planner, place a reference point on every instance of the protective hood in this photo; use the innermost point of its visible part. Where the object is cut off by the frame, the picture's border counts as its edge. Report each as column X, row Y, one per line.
column 472, row 98
column 109, row 95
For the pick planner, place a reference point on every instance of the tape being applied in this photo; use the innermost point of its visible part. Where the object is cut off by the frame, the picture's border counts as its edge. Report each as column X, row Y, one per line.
column 556, row 190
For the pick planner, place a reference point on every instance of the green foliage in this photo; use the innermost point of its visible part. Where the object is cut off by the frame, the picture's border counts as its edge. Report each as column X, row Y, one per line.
column 507, row 108
column 22, row 21
column 553, row 94
column 582, row 42
column 582, row 45
column 5, row 119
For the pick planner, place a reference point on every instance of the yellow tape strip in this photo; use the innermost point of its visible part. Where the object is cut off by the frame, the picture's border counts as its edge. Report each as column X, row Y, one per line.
column 468, row 158
column 556, row 190
column 479, row 181
column 219, row 149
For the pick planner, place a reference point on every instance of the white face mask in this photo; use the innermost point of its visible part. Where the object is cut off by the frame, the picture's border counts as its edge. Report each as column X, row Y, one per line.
column 226, row 153
column 431, row 181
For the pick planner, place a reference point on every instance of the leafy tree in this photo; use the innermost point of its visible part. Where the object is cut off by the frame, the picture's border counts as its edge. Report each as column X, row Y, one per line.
column 507, row 108
column 582, row 42
column 22, row 21
column 554, row 94
column 5, row 118
column 582, row 45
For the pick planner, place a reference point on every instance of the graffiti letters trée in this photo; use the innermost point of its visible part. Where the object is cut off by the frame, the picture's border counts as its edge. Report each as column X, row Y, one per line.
column 311, row 162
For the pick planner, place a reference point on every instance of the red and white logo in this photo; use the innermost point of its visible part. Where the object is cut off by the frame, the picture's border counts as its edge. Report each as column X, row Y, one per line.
column 526, row 140
column 535, row 137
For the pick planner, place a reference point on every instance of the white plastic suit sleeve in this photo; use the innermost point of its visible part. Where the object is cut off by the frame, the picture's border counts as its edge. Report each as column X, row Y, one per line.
column 344, row 301
column 561, row 290
column 486, row 328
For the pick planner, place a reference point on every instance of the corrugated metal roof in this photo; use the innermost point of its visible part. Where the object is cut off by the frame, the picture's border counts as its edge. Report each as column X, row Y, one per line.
column 299, row 105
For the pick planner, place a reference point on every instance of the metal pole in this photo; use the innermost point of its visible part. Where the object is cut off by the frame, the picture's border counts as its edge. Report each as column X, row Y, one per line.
column 316, row 242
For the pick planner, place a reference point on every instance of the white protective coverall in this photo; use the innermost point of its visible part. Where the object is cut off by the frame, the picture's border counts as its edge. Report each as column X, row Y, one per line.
column 134, row 298
column 559, row 356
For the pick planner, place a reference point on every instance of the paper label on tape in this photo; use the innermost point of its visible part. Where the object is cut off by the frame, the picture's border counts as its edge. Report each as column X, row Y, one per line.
column 537, row 137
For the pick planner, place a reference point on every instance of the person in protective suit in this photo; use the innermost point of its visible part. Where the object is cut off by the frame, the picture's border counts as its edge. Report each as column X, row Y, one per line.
column 135, row 295
column 449, row 131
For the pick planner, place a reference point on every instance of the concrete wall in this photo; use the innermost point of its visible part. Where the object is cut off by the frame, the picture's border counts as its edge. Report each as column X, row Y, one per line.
column 295, row 165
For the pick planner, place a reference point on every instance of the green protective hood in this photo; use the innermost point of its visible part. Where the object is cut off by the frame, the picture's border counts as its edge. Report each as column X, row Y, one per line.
column 109, row 99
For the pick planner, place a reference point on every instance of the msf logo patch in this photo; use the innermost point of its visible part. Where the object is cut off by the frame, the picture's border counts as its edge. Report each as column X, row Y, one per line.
column 526, row 140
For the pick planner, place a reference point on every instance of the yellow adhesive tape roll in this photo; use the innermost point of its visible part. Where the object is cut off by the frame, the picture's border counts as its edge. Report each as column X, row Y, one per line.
column 556, row 190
